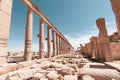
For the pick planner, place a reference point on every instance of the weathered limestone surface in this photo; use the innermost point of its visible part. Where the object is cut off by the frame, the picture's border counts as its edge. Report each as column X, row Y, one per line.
column 87, row 77
column 64, row 67
column 93, row 46
column 116, row 9
column 5, row 17
column 103, row 39
column 101, row 74
column 115, row 49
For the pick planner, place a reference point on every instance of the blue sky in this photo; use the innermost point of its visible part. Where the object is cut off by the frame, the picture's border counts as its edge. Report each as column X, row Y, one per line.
column 74, row 18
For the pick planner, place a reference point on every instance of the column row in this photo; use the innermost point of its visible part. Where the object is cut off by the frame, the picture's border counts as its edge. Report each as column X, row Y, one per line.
column 59, row 44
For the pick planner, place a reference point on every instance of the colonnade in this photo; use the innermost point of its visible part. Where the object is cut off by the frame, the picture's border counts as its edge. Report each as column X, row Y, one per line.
column 60, row 44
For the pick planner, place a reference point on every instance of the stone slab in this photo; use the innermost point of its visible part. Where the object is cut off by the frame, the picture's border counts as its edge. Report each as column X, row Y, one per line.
column 113, row 65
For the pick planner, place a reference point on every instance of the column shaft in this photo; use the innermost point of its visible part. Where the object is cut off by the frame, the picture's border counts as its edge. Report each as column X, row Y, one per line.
column 54, row 43
column 59, row 45
column 41, row 39
column 49, row 41
column 28, row 35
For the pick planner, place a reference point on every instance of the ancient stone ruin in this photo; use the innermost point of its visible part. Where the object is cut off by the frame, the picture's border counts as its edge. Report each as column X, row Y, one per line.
column 96, row 60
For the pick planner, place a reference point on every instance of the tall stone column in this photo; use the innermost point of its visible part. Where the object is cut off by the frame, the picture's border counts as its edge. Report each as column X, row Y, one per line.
column 5, row 20
column 116, row 9
column 41, row 39
column 54, row 43
column 104, row 41
column 28, row 35
column 48, row 42
column 59, row 46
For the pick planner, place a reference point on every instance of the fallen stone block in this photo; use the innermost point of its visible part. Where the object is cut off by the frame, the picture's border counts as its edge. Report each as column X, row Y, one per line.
column 100, row 74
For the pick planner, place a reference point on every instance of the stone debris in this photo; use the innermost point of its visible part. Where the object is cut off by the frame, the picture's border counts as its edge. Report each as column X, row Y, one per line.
column 70, row 77
column 52, row 75
column 87, row 77
column 57, row 70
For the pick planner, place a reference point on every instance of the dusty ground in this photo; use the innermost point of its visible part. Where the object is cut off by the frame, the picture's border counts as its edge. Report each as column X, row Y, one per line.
column 68, row 67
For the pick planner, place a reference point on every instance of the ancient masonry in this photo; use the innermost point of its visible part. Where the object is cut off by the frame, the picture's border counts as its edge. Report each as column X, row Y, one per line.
column 63, row 63
column 60, row 44
column 104, row 47
column 5, row 17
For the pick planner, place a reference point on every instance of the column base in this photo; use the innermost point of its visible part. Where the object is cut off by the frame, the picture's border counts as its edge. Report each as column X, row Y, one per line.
column 3, row 55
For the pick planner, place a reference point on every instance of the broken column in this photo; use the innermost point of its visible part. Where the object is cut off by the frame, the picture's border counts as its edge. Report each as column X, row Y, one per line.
column 103, row 40
column 41, row 39
column 5, row 19
column 95, row 47
column 93, row 42
column 99, row 49
column 28, row 35
column 48, row 42
column 116, row 9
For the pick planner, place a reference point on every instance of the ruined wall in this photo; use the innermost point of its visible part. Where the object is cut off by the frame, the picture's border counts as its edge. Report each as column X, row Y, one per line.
column 115, row 49
column 5, row 17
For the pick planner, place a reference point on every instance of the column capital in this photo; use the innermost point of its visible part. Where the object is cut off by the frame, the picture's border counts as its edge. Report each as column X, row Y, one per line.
column 41, row 20
column 48, row 26
column 30, row 10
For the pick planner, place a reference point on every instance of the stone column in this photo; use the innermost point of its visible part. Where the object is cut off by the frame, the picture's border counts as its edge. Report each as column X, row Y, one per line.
column 104, row 41
column 59, row 45
column 54, row 43
column 41, row 39
column 95, row 47
column 116, row 9
column 99, row 49
column 92, row 47
column 5, row 20
column 81, row 49
column 48, row 41
column 28, row 35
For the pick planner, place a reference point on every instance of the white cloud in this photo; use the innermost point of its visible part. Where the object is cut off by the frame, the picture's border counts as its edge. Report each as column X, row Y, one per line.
column 76, row 41
column 84, row 38
column 111, row 27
